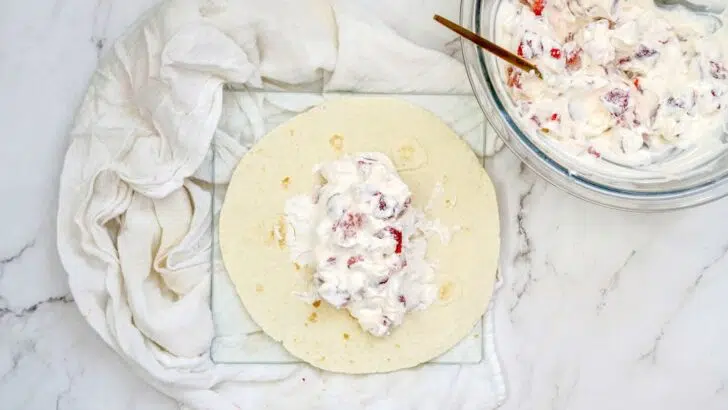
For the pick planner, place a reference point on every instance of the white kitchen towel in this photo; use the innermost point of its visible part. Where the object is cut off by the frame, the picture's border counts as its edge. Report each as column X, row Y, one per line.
column 134, row 210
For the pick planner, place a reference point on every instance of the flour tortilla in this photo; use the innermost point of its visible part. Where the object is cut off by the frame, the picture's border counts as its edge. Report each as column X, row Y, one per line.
column 425, row 152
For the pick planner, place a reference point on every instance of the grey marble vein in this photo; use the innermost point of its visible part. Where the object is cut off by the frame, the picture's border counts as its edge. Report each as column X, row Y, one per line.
column 562, row 395
column 66, row 390
column 522, row 291
column 522, row 169
column 452, row 48
column 102, row 13
column 25, row 347
column 33, row 308
column 99, row 44
column 549, row 264
column 14, row 362
column 613, row 282
column 705, row 269
column 14, row 257
column 524, row 252
column 651, row 354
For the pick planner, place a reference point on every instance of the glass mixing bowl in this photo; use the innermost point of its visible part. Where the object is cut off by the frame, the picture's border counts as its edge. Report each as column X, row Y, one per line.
column 614, row 185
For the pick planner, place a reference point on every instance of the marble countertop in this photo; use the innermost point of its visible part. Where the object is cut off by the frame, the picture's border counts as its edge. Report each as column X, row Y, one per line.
column 601, row 309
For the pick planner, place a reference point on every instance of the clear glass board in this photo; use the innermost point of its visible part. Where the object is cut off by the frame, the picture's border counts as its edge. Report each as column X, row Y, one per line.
column 247, row 116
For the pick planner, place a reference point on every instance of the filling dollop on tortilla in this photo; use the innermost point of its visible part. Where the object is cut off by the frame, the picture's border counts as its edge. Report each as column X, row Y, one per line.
column 364, row 240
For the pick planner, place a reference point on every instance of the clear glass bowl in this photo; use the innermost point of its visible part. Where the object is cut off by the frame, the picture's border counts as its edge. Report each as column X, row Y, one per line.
column 620, row 187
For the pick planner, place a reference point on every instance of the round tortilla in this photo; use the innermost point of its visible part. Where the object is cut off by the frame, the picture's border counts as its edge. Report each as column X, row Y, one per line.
column 425, row 152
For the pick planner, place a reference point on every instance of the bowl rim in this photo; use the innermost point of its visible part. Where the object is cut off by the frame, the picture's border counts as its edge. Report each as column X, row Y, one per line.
column 549, row 169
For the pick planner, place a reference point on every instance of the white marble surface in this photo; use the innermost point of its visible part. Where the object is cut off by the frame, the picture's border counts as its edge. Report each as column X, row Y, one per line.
column 601, row 309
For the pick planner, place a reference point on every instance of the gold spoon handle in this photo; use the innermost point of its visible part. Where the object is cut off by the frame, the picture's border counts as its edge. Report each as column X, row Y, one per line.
column 499, row 51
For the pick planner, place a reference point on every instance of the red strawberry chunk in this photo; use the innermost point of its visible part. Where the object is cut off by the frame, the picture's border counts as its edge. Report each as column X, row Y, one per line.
column 538, row 7
column 619, row 99
column 573, row 59
column 382, row 203
column 514, row 78
column 397, row 234
column 353, row 260
column 555, row 53
column 637, row 85
column 350, row 223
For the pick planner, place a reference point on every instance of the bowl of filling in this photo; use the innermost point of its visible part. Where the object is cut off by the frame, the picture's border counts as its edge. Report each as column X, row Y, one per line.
column 632, row 109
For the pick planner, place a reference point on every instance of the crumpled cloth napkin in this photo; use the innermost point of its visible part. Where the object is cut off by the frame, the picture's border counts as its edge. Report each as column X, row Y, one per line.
column 134, row 210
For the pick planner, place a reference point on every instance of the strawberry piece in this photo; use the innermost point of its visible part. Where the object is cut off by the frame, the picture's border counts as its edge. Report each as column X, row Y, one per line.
column 538, row 7
column 520, row 49
column 402, row 300
column 353, row 260
column 637, row 85
column 397, row 234
column 593, row 152
column 573, row 59
column 619, row 98
column 555, row 117
column 382, row 203
column 350, row 223
column 555, row 53
column 514, row 78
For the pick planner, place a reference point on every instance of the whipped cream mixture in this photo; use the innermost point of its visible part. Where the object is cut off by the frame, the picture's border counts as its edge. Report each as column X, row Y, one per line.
column 365, row 241
column 622, row 80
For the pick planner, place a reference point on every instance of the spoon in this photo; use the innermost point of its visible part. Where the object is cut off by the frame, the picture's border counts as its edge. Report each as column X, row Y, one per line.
column 692, row 6
column 491, row 47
